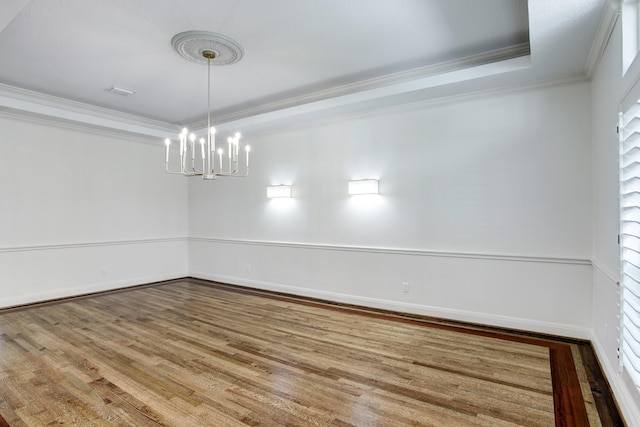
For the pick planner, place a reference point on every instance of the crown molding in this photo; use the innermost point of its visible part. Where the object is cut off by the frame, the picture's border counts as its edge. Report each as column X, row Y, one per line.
column 390, row 84
column 370, row 96
column 414, row 105
column 472, row 95
column 608, row 20
column 14, row 100
column 35, row 104
column 56, row 122
column 438, row 102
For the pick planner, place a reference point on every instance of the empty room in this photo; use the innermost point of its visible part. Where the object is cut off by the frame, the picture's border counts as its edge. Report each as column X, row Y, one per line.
column 320, row 213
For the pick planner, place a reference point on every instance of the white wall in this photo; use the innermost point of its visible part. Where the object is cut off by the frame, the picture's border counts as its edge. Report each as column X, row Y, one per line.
column 83, row 211
column 491, row 208
column 608, row 90
column 485, row 209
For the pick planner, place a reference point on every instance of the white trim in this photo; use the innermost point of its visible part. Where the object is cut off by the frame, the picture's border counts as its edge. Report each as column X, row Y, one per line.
column 350, row 99
column 633, row 93
column 405, row 307
column 396, row 251
column 38, row 104
column 91, row 244
column 490, row 63
column 613, row 278
column 43, row 296
column 407, row 106
column 608, row 21
column 394, row 79
column 474, row 95
column 630, row 411
column 78, row 127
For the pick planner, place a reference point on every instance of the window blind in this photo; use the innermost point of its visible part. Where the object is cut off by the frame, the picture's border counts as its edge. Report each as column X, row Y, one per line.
column 630, row 242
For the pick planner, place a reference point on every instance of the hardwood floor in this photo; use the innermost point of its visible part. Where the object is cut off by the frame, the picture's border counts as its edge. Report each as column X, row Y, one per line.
column 195, row 354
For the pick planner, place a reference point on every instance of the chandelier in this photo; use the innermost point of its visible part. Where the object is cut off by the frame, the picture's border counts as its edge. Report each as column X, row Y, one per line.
column 202, row 157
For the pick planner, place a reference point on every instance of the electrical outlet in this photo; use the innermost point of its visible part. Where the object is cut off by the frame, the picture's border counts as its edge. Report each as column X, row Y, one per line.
column 247, row 268
column 103, row 271
column 405, row 287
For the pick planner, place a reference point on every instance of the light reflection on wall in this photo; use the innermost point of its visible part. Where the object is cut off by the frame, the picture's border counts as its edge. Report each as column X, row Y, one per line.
column 281, row 204
column 367, row 203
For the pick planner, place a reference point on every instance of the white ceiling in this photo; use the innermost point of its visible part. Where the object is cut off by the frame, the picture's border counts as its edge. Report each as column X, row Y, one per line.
column 302, row 55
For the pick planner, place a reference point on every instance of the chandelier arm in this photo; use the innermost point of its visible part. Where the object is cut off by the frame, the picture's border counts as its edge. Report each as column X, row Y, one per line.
column 183, row 171
column 195, row 173
column 173, row 172
column 233, row 175
column 166, row 163
column 194, row 170
column 170, row 171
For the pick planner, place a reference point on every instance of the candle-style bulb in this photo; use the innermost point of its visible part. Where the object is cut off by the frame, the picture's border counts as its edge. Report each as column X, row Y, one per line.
column 213, row 130
column 220, row 151
column 167, row 142
column 192, row 137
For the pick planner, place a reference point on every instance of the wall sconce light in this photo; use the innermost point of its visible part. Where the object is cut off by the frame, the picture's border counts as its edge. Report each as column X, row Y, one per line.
column 363, row 186
column 279, row 191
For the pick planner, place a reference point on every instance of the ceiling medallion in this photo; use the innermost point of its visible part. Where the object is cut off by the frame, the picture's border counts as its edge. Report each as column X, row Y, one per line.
column 199, row 159
column 192, row 44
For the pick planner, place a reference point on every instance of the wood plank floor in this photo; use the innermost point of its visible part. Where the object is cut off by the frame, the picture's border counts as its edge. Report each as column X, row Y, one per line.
column 190, row 354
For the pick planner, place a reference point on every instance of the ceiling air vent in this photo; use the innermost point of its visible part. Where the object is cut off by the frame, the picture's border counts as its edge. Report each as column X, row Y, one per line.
column 119, row 91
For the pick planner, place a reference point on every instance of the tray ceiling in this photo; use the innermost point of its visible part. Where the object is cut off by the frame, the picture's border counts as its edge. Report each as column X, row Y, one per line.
column 296, row 52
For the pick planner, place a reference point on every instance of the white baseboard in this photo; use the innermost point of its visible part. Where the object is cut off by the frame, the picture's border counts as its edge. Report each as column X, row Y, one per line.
column 87, row 289
column 630, row 411
column 404, row 307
